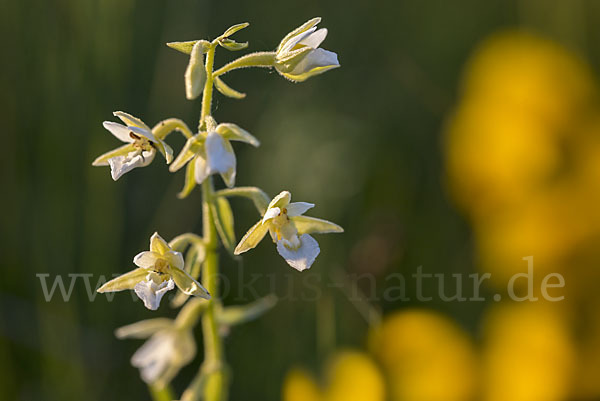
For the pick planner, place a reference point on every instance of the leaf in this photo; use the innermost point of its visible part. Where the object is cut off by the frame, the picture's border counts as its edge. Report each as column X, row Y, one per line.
column 227, row 90
column 223, row 217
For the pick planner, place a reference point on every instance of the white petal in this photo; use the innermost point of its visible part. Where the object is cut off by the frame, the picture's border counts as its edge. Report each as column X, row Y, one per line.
column 146, row 259
column 315, row 38
column 298, row 208
column 315, row 59
column 120, row 165
column 201, row 169
column 270, row 213
column 118, row 130
column 152, row 290
column 295, row 40
column 218, row 158
column 302, row 257
column 143, row 132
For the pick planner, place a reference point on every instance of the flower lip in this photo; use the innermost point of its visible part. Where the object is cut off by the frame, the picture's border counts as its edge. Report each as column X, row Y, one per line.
column 152, row 289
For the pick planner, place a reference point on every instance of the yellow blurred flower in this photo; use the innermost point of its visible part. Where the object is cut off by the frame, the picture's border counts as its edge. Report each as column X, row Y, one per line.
column 299, row 385
column 528, row 354
column 523, row 158
column 349, row 376
column 426, row 357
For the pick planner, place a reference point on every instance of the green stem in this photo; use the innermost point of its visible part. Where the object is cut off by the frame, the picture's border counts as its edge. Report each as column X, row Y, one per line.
column 261, row 59
column 213, row 347
column 214, row 381
column 161, row 393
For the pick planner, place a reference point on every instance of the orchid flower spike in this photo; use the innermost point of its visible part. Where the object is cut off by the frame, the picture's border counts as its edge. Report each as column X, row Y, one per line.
column 159, row 270
column 298, row 56
column 140, row 148
column 290, row 231
column 210, row 153
column 168, row 349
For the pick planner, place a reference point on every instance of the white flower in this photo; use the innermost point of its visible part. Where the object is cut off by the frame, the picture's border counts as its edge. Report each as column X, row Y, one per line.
column 211, row 153
column 152, row 289
column 298, row 56
column 140, row 148
column 169, row 348
column 160, row 270
column 218, row 158
column 290, row 231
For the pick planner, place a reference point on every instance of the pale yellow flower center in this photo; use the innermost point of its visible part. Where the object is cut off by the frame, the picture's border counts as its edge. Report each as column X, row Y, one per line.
column 161, row 266
column 284, row 228
column 141, row 142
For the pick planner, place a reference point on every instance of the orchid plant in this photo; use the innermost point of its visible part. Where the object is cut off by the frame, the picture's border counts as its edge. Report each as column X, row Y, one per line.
column 171, row 343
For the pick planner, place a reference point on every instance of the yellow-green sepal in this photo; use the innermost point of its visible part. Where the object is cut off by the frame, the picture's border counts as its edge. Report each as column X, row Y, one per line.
column 304, row 76
column 233, row 132
column 310, row 225
column 192, row 147
column 143, row 328
column 302, row 28
column 254, row 235
column 232, row 45
column 186, row 47
column 187, row 284
column 193, row 264
column 125, row 281
column 102, row 160
column 130, row 120
column 233, row 29
column 227, row 90
column 190, row 180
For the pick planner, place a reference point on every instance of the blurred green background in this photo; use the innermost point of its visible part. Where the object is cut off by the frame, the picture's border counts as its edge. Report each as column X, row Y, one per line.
column 365, row 143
